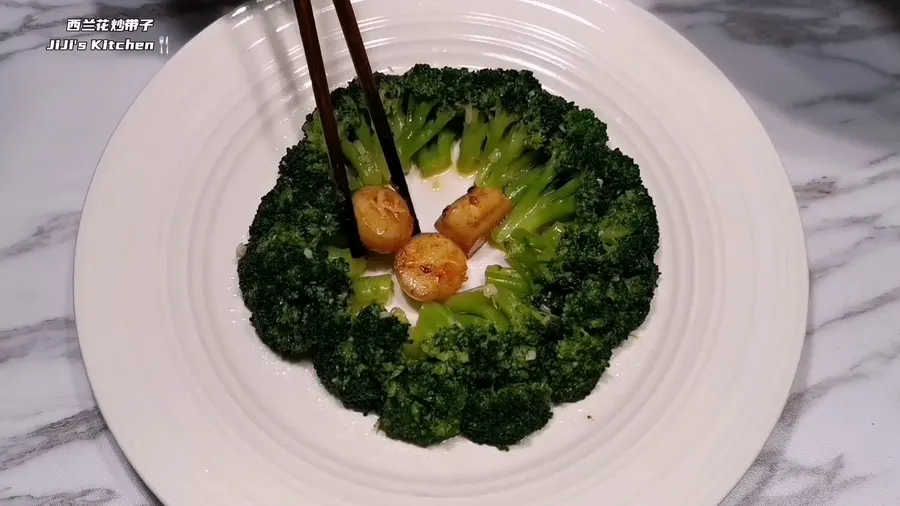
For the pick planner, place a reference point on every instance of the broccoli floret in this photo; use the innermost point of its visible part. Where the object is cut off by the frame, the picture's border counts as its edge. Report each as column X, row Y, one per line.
column 354, row 367
column 424, row 404
column 621, row 241
column 582, row 148
column 499, row 125
column 297, row 298
column 553, row 191
column 392, row 90
column 629, row 232
column 575, row 362
column 419, row 104
column 359, row 143
column 507, row 415
column 487, row 357
column 613, row 307
column 290, row 204
column 432, row 101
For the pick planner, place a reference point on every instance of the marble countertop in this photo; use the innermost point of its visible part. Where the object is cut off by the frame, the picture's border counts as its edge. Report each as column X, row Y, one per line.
column 822, row 75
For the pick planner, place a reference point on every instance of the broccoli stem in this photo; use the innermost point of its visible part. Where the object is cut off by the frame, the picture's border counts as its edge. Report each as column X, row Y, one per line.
column 474, row 134
column 476, row 303
column 526, row 192
column 535, row 210
column 495, row 136
column 553, row 234
column 381, row 161
column 371, row 290
column 415, row 120
column 514, row 306
column 543, row 244
column 360, row 162
column 432, row 318
column 398, row 122
column 353, row 181
column 467, row 320
column 366, row 156
column 436, row 157
column 369, row 140
column 357, row 265
column 501, row 178
column 400, row 314
column 428, row 132
column 506, row 278
column 508, row 149
column 524, row 260
column 529, row 253
column 417, row 116
column 426, row 161
column 531, row 183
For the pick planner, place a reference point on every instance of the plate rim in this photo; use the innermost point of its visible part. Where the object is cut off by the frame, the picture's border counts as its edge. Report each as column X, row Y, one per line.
column 80, row 261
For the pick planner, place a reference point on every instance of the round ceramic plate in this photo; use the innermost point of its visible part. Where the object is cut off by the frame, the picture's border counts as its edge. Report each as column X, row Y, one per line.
column 207, row 415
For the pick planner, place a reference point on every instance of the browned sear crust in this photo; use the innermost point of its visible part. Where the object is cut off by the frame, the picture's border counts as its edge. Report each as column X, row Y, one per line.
column 382, row 218
column 469, row 220
column 430, row 267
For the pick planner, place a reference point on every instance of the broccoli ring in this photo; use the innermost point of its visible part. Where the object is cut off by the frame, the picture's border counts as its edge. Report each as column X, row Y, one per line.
column 580, row 241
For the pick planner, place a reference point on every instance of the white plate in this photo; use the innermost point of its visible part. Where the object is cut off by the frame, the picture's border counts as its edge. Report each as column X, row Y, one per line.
column 209, row 417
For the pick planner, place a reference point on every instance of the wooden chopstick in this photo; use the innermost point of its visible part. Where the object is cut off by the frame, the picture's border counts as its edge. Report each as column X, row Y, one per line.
column 360, row 58
column 313, row 53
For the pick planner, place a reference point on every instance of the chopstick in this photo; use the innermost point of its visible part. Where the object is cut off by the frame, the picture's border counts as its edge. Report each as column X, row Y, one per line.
column 360, row 58
column 313, row 52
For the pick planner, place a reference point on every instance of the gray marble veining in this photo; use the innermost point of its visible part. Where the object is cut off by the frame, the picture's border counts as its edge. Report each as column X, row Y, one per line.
column 823, row 76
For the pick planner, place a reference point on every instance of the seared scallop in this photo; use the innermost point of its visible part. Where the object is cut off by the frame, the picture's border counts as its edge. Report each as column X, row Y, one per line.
column 469, row 220
column 383, row 218
column 430, row 267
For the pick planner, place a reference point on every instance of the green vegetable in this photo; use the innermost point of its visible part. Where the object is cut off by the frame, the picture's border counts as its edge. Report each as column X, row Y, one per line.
column 432, row 318
column 436, row 157
column 575, row 363
column 357, row 266
column 486, row 357
column 476, row 303
column 488, row 363
column 353, row 367
column 519, row 311
column 371, row 290
column 537, row 205
column 506, row 416
column 297, row 297
column 425, row 404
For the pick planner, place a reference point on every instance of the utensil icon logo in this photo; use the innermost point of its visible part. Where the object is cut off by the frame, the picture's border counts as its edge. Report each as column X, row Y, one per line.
column 164, row 44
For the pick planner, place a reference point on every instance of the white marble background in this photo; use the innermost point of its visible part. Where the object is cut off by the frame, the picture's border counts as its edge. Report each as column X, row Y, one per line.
column 823, row 76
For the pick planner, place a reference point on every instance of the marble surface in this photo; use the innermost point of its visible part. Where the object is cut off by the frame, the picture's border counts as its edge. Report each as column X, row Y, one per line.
column 823, row 76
